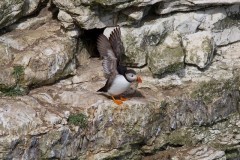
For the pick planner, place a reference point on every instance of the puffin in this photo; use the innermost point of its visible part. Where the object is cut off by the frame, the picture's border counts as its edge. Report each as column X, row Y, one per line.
column 119, row 78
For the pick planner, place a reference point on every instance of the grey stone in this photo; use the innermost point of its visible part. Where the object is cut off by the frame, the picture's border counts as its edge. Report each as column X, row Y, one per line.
column 167, row 57
column 199, row 48
column 42, row 55
column 13, row 10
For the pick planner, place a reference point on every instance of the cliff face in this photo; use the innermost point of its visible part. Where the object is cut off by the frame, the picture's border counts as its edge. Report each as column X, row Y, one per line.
column 187, row 52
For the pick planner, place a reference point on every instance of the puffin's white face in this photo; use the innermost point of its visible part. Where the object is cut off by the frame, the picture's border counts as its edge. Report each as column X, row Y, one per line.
column 131, row 77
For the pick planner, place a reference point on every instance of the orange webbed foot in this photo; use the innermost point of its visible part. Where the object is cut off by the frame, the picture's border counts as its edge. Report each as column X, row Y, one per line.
column 118, row 102
column 123, row 99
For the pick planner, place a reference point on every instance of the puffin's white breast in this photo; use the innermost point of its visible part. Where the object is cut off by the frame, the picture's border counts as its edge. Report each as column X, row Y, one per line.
column 119, row 85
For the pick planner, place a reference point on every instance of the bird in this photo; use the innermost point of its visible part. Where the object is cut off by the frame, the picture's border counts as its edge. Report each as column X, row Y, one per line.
column 119, row 78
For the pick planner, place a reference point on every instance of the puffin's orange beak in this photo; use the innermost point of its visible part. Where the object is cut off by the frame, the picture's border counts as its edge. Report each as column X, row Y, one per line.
column 139, row 80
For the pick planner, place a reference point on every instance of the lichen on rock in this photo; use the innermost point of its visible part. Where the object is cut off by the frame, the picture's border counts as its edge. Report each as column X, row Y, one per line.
column 167, row 57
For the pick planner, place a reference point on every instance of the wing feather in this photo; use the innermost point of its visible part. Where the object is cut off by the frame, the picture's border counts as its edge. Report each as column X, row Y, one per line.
column 109, row 59
column 117, row 44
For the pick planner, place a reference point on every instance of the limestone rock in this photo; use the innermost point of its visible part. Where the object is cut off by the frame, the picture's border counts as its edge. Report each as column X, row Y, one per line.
column 139, row 42
column 144, row 124
column 196, row 153
column 137, row 13
column 92, row 14
column 167, row 57
column 187, row 23
column 199, row 48
column 165, row 7
column 66, row 20
column 31, row 6
column 10, row 12
column 219, row 21
column 226, row 30
column 17, row 115
column 229, row 57
column 132, row 13
column 122, row 3
column 140, row 39
column 32, row 23
column 13, row 10
column 216, row 2
column 34, row 57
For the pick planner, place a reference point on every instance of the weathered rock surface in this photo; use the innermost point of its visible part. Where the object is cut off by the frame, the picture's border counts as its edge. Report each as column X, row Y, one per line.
column 35, row 56
column 167, row 57
column 11, row 11
column 140, row 42
column 145, row 124
column 43, row 17
column 203, row 152
column 199, row 48
column 92, row 14
column 192, row 112
column 221, row 21
column 219, row 27
column 165, row 7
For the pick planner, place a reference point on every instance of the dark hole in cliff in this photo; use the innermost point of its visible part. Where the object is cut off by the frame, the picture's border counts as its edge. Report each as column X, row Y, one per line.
column 151, row 14
column 42, row 10
column 52, row 8
column 89, row 40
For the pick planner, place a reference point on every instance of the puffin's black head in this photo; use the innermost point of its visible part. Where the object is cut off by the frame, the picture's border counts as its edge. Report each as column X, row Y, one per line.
column 131, row 76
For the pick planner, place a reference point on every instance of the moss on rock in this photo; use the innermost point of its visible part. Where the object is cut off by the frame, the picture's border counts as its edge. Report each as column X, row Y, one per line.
column 14, row 91
column 18, row 89
column 166, row 59
column 78, row 120
column 208, row 91
column 180, row 137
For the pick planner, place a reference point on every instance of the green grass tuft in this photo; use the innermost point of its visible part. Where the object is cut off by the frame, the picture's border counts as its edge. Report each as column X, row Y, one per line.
column 78, row 120
column 13, row 91
column 17, row 89
column 18, row 72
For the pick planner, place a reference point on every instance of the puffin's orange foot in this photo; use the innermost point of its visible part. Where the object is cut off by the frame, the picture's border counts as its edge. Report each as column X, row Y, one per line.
column 118, row 102
column 123, row 99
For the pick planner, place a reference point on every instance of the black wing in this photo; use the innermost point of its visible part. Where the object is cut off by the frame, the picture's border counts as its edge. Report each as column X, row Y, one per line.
column 117, row 44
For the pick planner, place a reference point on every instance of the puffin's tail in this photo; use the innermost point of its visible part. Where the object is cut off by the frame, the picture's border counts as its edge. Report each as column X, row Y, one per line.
column 103, row 89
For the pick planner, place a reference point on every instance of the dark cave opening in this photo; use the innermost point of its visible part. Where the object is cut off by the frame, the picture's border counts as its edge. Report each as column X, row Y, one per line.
column 89, row 40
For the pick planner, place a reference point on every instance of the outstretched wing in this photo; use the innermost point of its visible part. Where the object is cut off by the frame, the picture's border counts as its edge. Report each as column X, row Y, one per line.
column 117, row 44
column 109, row 59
